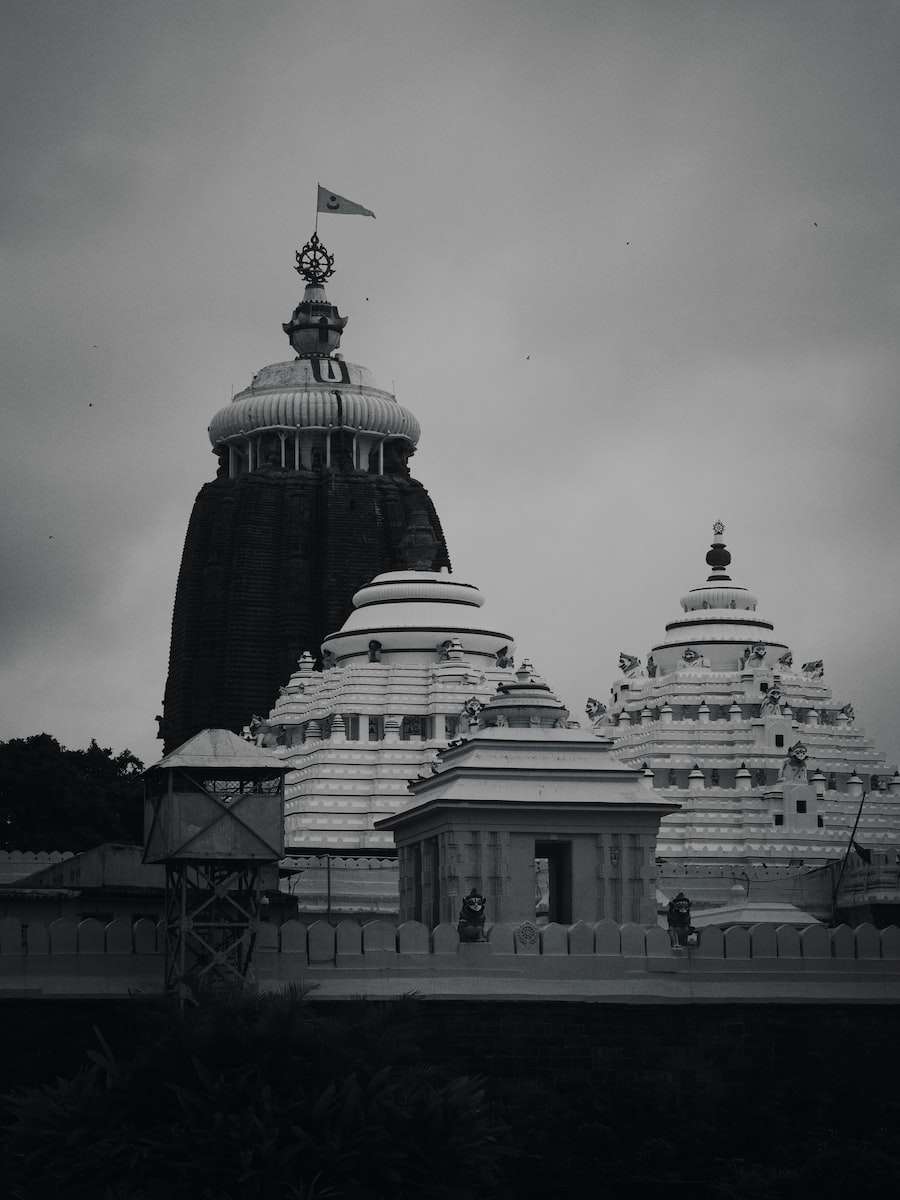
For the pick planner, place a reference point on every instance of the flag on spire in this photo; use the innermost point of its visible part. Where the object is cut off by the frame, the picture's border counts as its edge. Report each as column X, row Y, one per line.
column 331, row 202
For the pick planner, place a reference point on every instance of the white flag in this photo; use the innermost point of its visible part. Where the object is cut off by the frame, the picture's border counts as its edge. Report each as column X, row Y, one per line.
column 333, row 203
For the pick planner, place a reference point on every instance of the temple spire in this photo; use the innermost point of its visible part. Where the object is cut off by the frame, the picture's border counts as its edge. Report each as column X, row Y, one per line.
column 315, row 326
column 718, row 556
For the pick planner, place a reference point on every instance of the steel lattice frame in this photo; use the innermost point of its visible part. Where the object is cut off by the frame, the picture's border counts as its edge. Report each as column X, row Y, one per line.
column 211, row 924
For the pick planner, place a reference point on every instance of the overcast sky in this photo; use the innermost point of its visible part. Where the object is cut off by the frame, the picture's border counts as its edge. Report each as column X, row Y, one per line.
column 635, row 267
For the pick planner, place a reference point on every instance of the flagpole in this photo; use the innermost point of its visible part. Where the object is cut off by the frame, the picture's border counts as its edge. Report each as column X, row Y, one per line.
column 846, row 856
column 316, row 226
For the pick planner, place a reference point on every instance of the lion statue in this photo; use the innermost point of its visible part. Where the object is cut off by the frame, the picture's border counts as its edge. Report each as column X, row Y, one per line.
column 595, row 710
column 814, row 669
column 628, row 664
column 793, row 769
column 470, row 926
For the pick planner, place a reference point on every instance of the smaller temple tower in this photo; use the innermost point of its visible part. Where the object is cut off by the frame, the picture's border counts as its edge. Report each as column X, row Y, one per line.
column 524, row 800
column 768, row 767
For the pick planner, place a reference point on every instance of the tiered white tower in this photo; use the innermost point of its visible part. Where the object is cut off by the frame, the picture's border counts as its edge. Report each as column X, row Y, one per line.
column 714, row 715
column 412, row 663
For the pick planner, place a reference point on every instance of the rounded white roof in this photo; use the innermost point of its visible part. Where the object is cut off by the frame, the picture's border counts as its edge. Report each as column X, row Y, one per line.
column 415, row 611
column 314, row 394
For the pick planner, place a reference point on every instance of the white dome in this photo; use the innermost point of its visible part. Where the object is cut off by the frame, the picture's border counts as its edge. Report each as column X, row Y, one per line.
column 415, row 612
column 289, row 395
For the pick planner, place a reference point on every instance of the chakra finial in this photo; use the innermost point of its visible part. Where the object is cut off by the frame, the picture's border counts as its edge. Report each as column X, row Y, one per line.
column 314, row 262
column 718, row 556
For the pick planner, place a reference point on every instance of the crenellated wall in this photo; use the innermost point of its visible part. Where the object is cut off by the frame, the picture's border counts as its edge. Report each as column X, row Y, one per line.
column 604, row 961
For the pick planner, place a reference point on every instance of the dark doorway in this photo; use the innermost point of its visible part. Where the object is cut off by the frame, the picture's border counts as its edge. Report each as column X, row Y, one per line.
column 553, row 882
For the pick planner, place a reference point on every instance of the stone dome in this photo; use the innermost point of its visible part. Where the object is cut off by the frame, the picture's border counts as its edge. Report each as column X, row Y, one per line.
column 409, row 613
column 525, row 702
column 314, row 393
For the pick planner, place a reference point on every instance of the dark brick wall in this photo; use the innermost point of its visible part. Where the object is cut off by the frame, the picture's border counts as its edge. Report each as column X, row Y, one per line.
column 270, row 564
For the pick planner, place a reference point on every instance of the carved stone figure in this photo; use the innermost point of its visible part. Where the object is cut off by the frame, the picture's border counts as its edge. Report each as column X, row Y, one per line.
column 505, row 659
column 651, row 667
column 771, row 703
column 760, row 649
column 787, row 659
column 848, row 712
column 794, row 769
column 814, row 669
column 374, row 651
column 328, row 660
column 444, row 651
column 596, row 711
column 472, row 708
column 745, row 657
column 470, row 926
column 693, row 658
column 714, row 777
column 678, row 917
column 628, row 664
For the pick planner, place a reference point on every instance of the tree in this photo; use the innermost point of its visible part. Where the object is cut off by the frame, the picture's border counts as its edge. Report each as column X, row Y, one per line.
column 52, row 798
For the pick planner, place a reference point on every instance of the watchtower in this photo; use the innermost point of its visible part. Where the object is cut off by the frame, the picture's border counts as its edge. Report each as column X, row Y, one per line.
column 214, row 816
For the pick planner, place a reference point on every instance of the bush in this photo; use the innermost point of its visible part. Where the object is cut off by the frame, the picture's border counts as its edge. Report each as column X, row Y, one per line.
column 256, row 1098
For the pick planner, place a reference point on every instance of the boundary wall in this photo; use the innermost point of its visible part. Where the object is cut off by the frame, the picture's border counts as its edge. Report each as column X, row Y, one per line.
column 382, row 958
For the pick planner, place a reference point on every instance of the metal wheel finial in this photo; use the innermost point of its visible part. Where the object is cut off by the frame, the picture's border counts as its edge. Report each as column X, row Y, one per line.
column 314, row 262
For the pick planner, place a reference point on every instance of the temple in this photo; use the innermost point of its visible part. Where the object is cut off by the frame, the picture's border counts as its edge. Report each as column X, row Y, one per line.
column 412, row 664
column 769, row 768
column 312, row 498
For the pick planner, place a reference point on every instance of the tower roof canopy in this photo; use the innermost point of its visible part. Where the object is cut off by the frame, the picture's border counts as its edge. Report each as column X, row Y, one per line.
column 314, row 393
column 219, row 749
column 408, row 611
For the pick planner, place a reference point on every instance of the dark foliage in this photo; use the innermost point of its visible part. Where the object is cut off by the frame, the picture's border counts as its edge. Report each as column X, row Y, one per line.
column 255, row 1099
column 52, row 798
column 369, row 1100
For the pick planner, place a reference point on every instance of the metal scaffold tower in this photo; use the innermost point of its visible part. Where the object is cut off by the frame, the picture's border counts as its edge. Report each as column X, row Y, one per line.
column 214, row 817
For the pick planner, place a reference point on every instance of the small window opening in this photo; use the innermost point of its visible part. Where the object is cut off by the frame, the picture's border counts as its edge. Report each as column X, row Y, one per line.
column 779, row 818
column 779, row 739
column 801, row 806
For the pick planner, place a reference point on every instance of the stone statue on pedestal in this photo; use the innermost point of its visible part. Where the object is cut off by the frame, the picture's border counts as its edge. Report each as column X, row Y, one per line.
column 678, row 915
column 470, row 926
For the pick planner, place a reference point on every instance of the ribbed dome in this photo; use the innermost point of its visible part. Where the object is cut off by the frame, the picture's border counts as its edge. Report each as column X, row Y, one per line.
column 289, row 396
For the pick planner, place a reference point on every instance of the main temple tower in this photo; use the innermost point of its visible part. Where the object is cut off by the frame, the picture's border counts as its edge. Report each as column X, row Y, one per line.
column 312, row 498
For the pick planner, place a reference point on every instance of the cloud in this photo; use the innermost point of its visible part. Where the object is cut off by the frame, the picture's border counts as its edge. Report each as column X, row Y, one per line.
column 633, row 269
